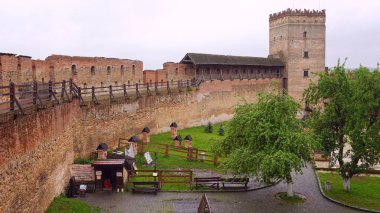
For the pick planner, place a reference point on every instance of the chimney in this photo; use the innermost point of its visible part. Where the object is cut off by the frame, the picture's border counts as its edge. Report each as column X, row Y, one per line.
column 173, row 128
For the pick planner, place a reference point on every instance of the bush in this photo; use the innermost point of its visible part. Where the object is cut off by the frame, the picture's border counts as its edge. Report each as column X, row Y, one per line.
column 209, row 128
column 221, row 130
column 84, row 160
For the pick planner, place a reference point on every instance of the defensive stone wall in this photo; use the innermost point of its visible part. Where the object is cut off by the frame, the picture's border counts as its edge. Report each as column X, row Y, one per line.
column 85, row 71
column 36, row 150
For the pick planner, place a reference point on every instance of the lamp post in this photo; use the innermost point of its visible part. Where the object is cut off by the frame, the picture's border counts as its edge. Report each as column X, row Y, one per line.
column 155, row 166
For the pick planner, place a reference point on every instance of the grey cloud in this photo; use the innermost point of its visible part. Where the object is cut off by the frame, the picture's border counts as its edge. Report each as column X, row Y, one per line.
column 157, row 31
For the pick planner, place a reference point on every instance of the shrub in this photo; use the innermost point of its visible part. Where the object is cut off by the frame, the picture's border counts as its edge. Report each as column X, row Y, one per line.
column 209, row 128
column 221, row 130
column 84, row 160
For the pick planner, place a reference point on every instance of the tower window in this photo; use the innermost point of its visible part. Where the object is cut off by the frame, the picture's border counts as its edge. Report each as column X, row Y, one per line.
column 306, row 54
column 306, row 73
column 93, row 70
column 74, row 69
column 304, row 34
column 108, row 70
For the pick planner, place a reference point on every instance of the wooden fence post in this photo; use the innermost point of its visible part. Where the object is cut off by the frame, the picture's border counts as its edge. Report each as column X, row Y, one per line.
column 12, row 96
column 93, row 94
column 179, row 86
column 110, row 93
column 50, row 89
column 168, row 87
column 137, row 91
column 35, row 90
column 63, row 90
column 125, row 91
column 148, row 89
column 191, row 178
column 71, row 88
column 216, row 160
column 166, row 149
column 142, row 148
column 156, row 88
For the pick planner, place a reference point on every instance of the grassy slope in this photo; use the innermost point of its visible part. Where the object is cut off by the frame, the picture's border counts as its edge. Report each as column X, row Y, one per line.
column 365, row 190
column 201, row 140
column 64, row 204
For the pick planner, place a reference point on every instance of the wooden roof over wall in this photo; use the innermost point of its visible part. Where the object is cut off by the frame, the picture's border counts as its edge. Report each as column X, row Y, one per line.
column 210, row 59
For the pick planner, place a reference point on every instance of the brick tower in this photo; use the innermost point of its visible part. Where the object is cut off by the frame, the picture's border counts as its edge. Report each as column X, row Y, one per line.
column 298, row 37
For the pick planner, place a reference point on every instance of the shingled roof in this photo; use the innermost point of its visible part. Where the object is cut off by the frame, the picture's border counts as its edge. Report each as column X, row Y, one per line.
column 210, row 59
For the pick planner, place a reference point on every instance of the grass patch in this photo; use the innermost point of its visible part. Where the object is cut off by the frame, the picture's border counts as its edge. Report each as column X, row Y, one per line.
column 64, row 204
column 88, row 160
column 201, row 140
column 291, row 200
column 365, row 190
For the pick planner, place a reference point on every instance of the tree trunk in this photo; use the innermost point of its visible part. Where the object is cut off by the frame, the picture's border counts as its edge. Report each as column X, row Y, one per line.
column 347, row 184
column 290, row 192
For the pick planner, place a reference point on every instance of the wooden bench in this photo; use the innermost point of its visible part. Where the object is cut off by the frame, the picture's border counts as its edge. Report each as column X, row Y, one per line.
column 146, row 186
column 207, row 181
column 232, row 182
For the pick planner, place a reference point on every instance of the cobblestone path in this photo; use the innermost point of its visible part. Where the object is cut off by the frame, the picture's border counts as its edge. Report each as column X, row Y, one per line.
column 230, row 202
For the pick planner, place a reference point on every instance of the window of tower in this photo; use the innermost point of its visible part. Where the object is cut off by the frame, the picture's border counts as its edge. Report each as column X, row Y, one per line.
column 306, row 73
column 306, row 54
column 304, row 34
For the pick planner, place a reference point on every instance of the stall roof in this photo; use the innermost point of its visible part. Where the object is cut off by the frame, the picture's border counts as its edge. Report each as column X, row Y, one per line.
column 108, row 162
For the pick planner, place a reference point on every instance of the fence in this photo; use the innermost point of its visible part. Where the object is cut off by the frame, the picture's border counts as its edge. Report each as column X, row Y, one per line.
column 163, row 176
column 125, row 91
column 192, row 154
column 33, row 96
column 18, row 99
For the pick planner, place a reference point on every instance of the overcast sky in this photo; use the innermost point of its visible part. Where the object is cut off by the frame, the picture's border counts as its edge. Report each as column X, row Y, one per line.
column 156, row 31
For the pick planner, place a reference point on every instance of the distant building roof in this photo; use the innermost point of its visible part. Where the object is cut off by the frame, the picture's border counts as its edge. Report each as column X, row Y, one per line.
column 146, row 129
column 174, row 124
column 178, row 138
column 210, row 59
column 133, row 139
column 102, row 146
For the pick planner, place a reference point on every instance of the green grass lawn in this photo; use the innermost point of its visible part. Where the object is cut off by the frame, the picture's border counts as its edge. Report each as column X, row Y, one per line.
column 201, row 140
column 365, row 190
column 63, row 204
column 291, row 200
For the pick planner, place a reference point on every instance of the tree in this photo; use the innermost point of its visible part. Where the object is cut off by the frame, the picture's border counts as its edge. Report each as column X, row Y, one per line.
column 267, row 140
column 346, row 118
column 209, row 128
column 221, row 130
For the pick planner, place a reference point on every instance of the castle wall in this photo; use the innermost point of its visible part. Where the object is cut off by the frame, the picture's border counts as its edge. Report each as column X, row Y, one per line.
column 89, row 71
column 35, row 154
column 36, row 150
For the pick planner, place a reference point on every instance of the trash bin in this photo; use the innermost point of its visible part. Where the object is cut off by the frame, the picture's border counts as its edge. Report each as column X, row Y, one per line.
column 82, row 190
column 203, row 156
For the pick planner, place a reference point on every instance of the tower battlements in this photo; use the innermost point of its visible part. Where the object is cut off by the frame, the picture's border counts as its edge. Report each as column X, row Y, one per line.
column 297, row 12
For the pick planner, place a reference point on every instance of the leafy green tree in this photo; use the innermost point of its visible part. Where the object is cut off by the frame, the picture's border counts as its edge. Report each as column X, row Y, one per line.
column 221, row 130
column 346, row 118
column 209, row 128
column 267, row 140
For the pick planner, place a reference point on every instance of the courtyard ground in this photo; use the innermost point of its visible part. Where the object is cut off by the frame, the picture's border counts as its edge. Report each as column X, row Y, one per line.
column 254, row 201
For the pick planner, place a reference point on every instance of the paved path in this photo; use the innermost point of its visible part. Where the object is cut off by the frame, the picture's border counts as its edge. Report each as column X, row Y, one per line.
column 255, row 201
